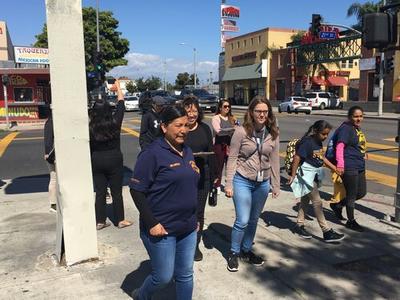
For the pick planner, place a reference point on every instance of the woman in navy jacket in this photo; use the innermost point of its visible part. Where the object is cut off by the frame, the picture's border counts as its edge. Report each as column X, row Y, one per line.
column 164, row 189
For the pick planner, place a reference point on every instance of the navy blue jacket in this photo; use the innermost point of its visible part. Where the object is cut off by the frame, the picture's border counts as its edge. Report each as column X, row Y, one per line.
column 169, row 182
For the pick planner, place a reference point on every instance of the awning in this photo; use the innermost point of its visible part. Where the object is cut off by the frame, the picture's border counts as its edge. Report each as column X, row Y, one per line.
column 242, row 73
column 318, row 80
column 337, row 81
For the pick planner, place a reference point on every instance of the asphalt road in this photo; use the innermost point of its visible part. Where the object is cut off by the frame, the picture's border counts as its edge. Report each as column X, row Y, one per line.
column 22, row 159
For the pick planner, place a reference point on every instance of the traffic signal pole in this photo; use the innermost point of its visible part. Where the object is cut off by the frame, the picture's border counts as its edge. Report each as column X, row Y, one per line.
column 397, row 195
column 381, row 84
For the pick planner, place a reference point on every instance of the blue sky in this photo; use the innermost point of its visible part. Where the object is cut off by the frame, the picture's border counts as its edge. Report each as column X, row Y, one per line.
column 156, row 27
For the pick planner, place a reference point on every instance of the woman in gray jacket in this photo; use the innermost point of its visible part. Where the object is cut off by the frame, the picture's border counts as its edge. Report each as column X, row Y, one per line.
column 252, row 171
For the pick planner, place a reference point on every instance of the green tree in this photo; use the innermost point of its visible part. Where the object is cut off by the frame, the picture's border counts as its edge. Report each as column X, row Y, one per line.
column 112, row 45
column 182, row 79
column 191, row 80
column 131, row 88
column 359, row 10
column 153, row 83
column 141, row 85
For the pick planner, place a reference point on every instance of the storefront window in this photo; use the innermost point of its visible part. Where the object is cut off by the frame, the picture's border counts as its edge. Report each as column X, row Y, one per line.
column 23, row 95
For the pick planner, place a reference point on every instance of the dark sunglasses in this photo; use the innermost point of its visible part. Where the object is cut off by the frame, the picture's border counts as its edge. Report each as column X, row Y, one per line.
column 226, row 106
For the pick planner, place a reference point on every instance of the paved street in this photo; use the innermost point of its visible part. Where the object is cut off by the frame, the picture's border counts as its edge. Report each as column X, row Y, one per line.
column 22, row 158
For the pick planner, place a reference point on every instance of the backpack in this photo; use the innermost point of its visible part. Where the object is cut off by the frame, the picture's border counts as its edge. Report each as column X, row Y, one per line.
column 290, row 152
column 330, row 152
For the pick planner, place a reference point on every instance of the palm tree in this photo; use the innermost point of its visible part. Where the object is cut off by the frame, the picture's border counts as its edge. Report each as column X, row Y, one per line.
column 359, row 10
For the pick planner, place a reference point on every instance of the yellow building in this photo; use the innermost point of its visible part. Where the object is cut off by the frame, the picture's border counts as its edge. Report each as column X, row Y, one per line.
column 247, row 63
column 258, row 63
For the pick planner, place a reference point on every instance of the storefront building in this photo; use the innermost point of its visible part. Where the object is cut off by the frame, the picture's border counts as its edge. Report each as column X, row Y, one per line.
column 28, row 88
column 341, row 78
column 247, row 63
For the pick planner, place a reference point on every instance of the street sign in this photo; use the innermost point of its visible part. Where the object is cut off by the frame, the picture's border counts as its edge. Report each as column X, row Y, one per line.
column 327, row 35
column 92, row 74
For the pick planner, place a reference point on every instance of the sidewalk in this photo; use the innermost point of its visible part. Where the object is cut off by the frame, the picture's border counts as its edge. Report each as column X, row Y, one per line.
column 365, row 265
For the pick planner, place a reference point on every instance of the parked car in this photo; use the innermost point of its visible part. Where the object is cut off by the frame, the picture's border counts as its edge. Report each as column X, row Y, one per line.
column 207, row 101
column 145, row 99
column 295, row 104
column 322, row 100
column 131, row 103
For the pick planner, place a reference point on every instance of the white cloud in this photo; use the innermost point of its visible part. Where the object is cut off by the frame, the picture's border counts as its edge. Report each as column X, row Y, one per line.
column 145, row 65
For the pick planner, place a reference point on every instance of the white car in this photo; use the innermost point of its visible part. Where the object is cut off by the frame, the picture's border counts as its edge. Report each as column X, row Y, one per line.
column 131, row 103
column 295, row 104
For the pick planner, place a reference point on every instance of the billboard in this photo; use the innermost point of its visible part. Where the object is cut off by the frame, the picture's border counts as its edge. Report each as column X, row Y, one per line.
column 229, row 25
column 29, row 55
column 229, row 11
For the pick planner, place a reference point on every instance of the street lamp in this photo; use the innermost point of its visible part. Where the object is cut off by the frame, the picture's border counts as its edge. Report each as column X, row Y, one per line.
column 194, row 62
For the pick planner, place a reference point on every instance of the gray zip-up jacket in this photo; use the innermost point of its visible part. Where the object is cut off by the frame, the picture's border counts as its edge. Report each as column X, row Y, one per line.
column 244, row 159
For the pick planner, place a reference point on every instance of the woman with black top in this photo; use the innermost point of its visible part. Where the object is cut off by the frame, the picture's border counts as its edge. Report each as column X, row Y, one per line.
column 199, row 139
column 164, row 189
column 107, row 161
column 351, row 150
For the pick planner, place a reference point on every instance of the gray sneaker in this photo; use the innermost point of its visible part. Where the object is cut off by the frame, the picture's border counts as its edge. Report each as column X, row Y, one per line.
column 301, row 231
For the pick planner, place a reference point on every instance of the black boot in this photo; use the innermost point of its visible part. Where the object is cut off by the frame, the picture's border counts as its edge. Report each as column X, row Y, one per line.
column 337, row 210
column 198, row 256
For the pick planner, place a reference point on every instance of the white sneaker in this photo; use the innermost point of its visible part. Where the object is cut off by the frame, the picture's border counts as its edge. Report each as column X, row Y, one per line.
column 218, row 190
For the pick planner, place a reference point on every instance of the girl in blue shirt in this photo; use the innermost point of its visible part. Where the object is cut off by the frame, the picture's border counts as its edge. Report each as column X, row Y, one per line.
column 306, row 178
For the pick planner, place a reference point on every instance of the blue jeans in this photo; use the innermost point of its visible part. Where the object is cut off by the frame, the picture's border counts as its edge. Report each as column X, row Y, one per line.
column 249, row 198
column 171, row 257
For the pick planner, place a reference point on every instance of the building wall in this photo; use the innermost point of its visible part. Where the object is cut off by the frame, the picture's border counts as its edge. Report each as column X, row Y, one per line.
column 261, row 42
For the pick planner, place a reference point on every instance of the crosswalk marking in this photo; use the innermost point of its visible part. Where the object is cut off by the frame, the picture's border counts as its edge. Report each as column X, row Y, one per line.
column 383, row 159
column 131, row 131
column 392, row 139
column 380, row 178
column 393, row 148
column 4, row 142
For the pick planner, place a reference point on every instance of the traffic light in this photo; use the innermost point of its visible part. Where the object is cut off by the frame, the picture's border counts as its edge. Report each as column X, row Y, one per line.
column 98, row 62
column 379, row 30
column 377, row 65
column 389, row 64
column 315, row 24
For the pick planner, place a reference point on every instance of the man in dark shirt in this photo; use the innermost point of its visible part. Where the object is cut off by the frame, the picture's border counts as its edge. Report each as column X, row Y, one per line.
column 150, row 125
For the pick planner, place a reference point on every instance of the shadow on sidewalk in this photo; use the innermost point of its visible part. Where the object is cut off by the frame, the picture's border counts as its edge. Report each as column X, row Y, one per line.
column 218, row 236
column 135, row 279
column 40, row 183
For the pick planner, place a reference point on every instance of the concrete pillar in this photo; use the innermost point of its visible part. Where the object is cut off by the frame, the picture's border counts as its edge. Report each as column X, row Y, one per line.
column 76, row 225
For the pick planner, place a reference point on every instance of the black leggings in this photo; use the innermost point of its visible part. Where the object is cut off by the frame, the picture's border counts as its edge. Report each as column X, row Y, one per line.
column 356, row 188
column 107, row 168
column 202, row 196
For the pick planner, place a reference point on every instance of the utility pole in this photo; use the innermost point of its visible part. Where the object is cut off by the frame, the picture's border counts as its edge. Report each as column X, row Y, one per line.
column 210, row 83
column 194, row 67
column 381, row 77
column 164, row 74
column 76, row 236
column 5, row 79
column 397, row 196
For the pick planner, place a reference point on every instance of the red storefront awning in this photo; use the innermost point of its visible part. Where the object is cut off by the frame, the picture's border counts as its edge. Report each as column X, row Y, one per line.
column 318, row 80
column 337, row 81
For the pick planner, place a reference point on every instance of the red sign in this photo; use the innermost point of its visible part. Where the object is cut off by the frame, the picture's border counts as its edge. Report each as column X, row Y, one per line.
column 229, row 11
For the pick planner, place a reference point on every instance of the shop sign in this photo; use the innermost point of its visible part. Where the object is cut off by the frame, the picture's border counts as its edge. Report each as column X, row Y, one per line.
column 367, row 64
column 343, row 73
column 248, row 55
column 17, row 80
column 229, row 11
column 334, row 73
column 30, row 55
column 229, row 25
column 26, row 112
